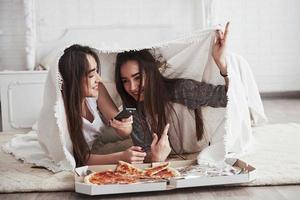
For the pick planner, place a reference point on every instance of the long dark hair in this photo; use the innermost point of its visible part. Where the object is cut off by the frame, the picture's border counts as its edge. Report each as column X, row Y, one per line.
column 73, row 67
column 157, row 100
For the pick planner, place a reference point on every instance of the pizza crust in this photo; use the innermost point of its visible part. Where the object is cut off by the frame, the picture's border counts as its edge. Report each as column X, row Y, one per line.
column 154, row 170
column 87, row 179
column 174, row 171
column 128, row 169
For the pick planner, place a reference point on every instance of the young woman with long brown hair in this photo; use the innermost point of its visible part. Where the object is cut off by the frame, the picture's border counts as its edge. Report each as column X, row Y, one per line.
column 88, row 104
column 164, row 103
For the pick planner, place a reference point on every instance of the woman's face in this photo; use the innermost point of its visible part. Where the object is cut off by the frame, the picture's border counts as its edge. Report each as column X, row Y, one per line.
column 130, row 77
column 92, row 79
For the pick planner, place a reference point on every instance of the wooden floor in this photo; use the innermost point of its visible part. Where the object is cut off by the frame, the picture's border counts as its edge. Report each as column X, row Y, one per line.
column 211, row 193
column 278, row 110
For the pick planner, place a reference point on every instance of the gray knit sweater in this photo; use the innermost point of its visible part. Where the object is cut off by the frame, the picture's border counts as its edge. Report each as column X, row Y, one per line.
column 189, row 93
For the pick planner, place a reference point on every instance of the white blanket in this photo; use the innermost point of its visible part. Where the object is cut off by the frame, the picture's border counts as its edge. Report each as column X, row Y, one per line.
column 188, row 57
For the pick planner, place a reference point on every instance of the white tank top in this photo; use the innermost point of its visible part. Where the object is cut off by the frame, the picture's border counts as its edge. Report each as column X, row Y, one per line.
column 92, row 130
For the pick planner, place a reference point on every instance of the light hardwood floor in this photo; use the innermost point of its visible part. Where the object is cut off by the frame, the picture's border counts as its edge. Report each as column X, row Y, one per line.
column 278, row 110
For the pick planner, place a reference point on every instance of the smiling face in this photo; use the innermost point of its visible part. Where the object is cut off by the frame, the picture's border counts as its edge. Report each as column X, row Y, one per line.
column 130, row 77
column 92, row 79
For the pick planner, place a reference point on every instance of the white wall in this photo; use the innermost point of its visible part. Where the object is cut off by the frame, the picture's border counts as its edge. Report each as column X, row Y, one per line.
column 54, row 18
column 265, row 32
column 182, row 16
column 12, row 38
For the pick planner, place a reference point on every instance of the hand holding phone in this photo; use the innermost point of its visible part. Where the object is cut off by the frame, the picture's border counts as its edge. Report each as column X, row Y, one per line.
column 123, row 122
column 125, row 113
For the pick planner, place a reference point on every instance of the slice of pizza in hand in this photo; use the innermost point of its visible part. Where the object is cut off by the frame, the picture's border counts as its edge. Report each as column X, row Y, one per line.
column 154, row 170
column 128, row 169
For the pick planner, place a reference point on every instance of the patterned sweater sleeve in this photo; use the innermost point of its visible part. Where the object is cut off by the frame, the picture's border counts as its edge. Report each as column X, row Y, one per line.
column 194, row 94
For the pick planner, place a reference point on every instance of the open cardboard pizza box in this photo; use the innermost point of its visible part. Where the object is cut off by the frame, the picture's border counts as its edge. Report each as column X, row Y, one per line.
column 247, row 174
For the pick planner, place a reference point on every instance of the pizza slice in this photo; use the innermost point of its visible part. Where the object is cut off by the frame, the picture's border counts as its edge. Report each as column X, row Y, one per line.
column 99, row 178
column 128, row 169
column 167, row 173
column 108, row 177
column 154, row 170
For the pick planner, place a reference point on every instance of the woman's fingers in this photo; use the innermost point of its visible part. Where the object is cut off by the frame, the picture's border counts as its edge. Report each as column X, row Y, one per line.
column 138, row 154
column 138, row 158
column 116, row 126
column 226, row 30
column 137, row 148
column 155, row 139
column 164, row 137
column 119, row 124
column 166, row 129
column 225, row 35
column 163, row 143
column 137, row 151
column 219, row 34
column 222, row 37
column 129, row 119
column 137, row 162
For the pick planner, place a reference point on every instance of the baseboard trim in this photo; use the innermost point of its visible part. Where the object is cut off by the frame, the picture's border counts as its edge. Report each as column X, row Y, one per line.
column 288, row 95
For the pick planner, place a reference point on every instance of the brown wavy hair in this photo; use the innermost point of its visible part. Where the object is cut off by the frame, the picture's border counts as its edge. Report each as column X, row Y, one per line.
column 157, row 100
column 73, row 66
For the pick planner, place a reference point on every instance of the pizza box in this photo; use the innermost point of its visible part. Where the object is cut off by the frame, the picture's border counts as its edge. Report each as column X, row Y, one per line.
column 83, row 188
column 246, row 175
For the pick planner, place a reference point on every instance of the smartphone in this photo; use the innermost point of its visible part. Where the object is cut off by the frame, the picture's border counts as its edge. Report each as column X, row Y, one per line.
column 125, row 113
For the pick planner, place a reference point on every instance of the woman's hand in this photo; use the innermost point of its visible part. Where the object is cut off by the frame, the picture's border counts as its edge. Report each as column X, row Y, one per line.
column 219, row 49
column 134, row 154
column 160, row 149
column 123, row 127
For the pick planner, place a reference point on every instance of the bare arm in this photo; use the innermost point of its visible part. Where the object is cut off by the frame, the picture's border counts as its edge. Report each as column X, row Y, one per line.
column 219, row 52
column 132, row 155
column 110, row 110
column 105, row 103
column 96, row 159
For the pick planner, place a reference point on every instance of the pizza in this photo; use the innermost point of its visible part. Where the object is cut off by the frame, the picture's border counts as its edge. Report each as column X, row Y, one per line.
column 128, row 169
column 108, row 177
column 126, row 173
column 167, row 173
column 154, row 170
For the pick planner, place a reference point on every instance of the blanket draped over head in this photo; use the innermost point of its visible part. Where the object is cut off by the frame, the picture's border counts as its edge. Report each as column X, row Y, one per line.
column 188, row 57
